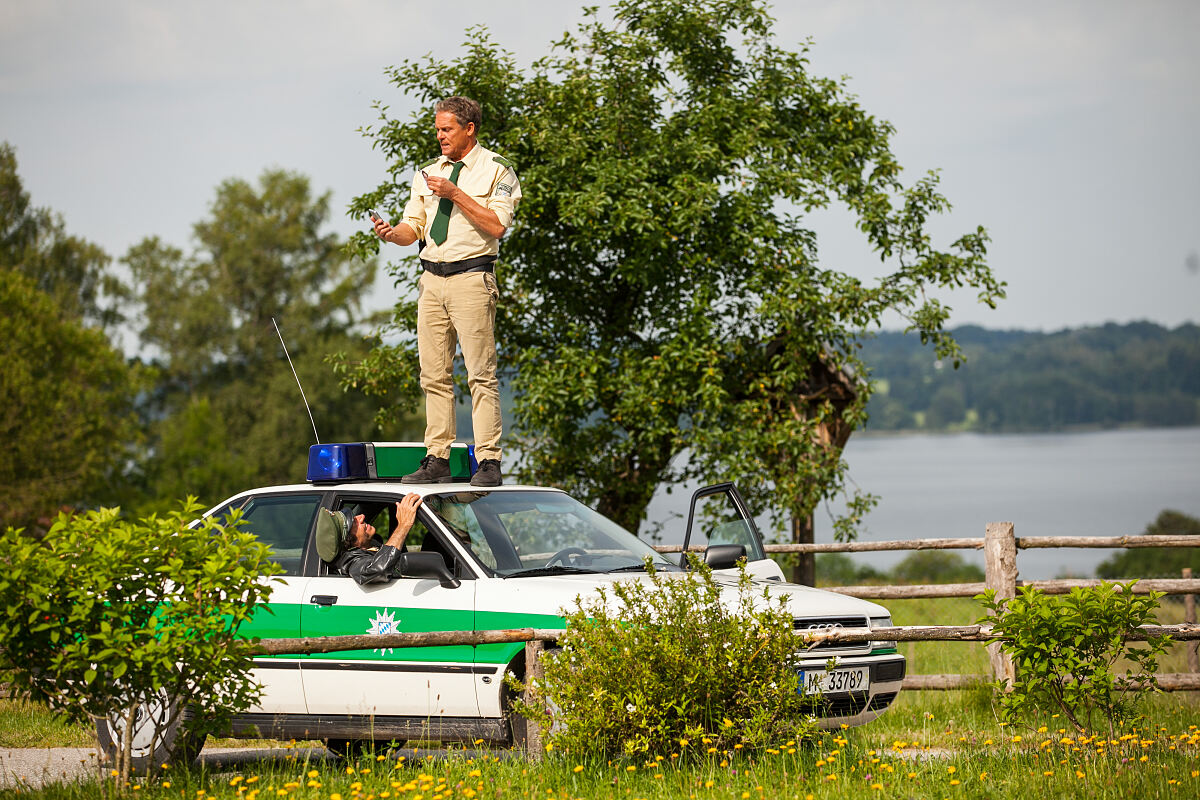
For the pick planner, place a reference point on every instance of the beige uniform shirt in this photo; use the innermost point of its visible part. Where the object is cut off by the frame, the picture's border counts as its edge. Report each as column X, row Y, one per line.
column 490, row 182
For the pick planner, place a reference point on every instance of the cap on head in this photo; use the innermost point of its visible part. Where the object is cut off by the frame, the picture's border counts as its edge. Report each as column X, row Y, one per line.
column 332, row 527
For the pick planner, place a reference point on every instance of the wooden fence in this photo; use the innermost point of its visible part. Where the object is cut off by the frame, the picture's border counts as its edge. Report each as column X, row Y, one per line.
column 1000, row 545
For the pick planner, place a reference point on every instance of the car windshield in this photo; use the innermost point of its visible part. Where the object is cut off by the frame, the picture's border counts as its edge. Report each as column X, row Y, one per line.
column 540, row 532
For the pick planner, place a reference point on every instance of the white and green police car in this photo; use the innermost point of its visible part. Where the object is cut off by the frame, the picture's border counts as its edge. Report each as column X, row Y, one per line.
column 500, row 558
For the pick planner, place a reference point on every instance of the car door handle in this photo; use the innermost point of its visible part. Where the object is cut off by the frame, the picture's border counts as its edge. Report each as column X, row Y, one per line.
column 324, row 599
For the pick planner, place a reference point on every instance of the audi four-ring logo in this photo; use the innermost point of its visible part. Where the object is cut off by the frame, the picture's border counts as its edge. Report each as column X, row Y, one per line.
column 824, row 626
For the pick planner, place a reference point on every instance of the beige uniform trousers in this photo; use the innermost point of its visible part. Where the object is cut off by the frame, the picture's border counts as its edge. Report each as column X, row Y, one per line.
column 459, row 309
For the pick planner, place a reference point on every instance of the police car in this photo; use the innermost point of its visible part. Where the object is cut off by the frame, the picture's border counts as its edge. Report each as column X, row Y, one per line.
column 491, row 559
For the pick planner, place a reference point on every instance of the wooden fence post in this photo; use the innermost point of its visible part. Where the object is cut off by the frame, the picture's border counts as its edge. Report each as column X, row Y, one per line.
column 1000, row 570
column 1189, row 615
column 533, row 697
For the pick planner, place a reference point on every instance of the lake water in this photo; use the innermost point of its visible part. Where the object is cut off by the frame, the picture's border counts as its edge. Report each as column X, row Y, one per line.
column 1108, row 483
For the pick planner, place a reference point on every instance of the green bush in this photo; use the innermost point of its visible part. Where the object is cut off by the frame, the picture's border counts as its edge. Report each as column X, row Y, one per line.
column 677, row 663
column 1065, row 649
column 104, row 617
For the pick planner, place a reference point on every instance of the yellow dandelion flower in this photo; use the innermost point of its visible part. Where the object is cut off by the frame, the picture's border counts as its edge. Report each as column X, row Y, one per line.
column 579, row 767
column 631, row 768
column 954, row 782
column 876, row 786
column 166, row 784
column 952, row 769
column 1047, row 773
column 1079, row 774
column 1017, row 738
column 474, row 773
column 912, row 774
column 1144, row 758
column 832, row 777
column 727, row 722
column 708, row 784
column 683, row 742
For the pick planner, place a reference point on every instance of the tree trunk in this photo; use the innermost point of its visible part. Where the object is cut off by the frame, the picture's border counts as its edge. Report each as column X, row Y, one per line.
column 805, row 570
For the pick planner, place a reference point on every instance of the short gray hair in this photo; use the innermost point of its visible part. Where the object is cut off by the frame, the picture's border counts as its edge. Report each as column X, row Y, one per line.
column 464, row 110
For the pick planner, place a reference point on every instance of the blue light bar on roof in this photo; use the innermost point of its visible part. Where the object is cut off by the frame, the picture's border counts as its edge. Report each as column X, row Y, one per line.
column 341, row 462
column 366, row 461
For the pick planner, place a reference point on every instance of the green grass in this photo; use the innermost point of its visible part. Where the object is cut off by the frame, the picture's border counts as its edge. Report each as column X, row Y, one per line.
column 1140, row 764
column 31, row 725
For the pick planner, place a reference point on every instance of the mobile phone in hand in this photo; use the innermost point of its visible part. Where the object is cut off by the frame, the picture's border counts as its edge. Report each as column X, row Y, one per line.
column 425, row 175
column 374, row 216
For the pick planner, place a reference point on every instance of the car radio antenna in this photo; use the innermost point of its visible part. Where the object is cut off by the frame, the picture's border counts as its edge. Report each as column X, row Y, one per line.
column 316, row 435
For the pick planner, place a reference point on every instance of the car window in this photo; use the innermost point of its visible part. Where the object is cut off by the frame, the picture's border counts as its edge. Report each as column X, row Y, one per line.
column 382, row 515
column 282, row 523
column 514, row 532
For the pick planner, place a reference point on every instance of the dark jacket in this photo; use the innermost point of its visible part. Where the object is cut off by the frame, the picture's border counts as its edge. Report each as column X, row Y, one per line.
column 373, row 564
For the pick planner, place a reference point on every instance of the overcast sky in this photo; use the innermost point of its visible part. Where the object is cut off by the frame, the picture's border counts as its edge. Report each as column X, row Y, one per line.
column 1068, row 129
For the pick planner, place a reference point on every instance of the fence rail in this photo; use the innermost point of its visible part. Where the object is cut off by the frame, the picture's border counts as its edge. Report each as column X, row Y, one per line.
column 1000, row 545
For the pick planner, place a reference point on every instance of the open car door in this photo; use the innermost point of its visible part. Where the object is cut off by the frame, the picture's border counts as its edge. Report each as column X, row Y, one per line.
column 722, row 530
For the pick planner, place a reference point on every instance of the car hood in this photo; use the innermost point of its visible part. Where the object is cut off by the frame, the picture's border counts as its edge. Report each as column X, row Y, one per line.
column 558, row 594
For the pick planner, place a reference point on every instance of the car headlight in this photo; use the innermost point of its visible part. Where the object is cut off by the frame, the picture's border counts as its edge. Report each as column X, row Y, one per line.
column 882, row 622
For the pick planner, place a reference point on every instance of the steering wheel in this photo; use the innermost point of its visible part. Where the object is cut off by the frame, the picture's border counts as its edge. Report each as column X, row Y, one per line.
column 562, row 555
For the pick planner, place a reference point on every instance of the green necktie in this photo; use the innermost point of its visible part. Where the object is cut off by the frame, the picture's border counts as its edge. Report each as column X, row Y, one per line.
column 441, row 222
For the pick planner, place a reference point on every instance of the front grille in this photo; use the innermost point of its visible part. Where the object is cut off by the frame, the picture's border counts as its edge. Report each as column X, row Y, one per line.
column 881, row 701
column 814, row 624
column 842, row 705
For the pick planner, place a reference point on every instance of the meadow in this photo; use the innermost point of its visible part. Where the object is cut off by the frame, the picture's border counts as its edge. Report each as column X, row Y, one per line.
column 929, row 745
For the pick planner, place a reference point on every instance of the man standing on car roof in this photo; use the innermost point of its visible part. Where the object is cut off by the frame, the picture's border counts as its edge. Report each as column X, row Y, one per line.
column 462, row 203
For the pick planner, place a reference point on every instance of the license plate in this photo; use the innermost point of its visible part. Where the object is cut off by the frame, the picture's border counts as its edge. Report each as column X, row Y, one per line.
column 851, row 679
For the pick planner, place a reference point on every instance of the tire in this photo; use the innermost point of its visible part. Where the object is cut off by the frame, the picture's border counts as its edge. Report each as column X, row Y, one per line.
column 157, row 738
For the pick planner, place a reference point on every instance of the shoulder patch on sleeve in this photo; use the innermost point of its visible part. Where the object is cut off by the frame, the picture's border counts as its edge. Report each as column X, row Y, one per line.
column 504, row 162
column 429, row 163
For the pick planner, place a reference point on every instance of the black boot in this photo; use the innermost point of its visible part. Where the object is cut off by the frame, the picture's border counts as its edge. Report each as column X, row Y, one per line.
column 488, row 473
column 433, row 470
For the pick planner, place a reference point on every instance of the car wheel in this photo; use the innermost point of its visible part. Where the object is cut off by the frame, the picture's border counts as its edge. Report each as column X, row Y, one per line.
column 157, row 736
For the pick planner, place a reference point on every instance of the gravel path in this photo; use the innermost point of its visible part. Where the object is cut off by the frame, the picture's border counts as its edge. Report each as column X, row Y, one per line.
column 34, row 767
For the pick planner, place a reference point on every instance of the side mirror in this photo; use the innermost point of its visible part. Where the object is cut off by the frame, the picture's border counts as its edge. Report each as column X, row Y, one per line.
column 427, row 565
column 724, row 556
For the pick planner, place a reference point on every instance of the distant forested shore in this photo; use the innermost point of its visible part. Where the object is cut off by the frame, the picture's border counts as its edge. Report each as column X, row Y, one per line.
column 1138, row 374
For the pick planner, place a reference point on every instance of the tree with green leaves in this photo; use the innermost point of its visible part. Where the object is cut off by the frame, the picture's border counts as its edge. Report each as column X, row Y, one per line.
column 68, row 416
column 133, row 625
column 664, row 311
column 228, row 412
column 34, row 242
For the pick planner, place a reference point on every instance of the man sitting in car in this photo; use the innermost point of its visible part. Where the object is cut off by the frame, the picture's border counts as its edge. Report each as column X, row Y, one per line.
column 351, row 547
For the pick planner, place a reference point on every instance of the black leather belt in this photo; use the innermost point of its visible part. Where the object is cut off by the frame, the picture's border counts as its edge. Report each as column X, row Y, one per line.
column 444, row 269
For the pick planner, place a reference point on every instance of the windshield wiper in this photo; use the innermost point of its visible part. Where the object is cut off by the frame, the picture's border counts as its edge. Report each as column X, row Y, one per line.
column 560, row 569
column 642, row 568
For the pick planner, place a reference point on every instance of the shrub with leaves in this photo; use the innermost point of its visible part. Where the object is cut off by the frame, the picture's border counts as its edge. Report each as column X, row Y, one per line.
column 1067, row 648
column 105, row 618
column 673, row 663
